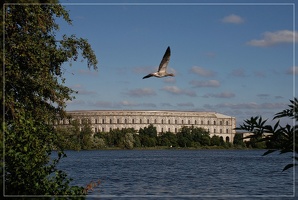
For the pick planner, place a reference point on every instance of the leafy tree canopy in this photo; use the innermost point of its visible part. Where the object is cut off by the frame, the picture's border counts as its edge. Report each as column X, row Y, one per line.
column 35, row 95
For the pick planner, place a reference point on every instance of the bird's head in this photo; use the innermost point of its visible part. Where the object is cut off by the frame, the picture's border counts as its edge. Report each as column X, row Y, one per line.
column 170, row 74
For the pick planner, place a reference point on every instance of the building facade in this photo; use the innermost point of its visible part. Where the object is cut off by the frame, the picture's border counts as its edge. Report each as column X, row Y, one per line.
column 164, row 121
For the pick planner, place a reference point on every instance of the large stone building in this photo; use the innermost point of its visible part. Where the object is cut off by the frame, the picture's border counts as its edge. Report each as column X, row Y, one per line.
column 163, row 120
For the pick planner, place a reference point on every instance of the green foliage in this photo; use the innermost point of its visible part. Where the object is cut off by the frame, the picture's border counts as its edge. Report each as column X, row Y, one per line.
column 168, row 139
column 128, row 138
column 193, row 137
column 215, row 140
column 148, row 136
column 276, row 137
column 28, row 169
column 35, row 96
column 128, row 141
column 86, row 134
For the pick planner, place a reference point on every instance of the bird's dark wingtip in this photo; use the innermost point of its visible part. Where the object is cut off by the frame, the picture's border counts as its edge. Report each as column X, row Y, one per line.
column 149, row 75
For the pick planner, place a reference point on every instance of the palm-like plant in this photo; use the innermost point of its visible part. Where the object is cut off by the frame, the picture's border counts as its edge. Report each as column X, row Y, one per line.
column 277, row 137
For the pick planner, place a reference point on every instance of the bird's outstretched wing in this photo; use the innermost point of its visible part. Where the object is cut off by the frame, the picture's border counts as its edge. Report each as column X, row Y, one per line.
column 165, row 61
column 148, row 76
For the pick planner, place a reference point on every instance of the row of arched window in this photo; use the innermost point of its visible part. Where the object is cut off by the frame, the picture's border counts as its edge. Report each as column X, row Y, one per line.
column 163, row 121
column 175, row 130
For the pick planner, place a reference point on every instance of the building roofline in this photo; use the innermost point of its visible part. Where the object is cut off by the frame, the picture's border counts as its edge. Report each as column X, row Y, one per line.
column 154, row 111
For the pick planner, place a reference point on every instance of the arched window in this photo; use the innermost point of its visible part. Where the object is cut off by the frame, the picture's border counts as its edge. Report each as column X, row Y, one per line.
column 227, row 139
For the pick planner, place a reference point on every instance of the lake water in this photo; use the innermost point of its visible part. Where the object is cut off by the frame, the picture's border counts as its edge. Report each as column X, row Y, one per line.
column 220, row 174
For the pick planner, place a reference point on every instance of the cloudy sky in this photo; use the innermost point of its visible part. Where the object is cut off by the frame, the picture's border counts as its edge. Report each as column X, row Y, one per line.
column 234, row 59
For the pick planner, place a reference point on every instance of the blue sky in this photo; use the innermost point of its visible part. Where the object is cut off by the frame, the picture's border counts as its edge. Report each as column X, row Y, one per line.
column 235, row 59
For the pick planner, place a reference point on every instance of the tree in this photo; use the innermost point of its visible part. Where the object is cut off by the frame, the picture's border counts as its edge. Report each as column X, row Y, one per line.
column 184, row 138
column 277, row 137
column 238, row 140
column 168, row 139
column 148, row 136
column 35, row 95
column 215, row 140
column 86, row 134
column 128, row 141
column 193, row 137
column 200, row 135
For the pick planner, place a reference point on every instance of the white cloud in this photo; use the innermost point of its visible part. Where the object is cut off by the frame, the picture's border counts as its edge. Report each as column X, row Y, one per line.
column 104, row 104
column 177, row 91
column 202, row 72
column 128, row 103
column 273, row 38
column 232, row 19
column 238, row 73
column 144, row 70
column 166, row 105
column 249, row 105
column 260, row 74
column 263, row 96
column 119, row 105
column 209, row 83
column 169, row 80
column 185, row 104
column 210, row 54
column 134, row 104
column 221, row 95
column 292, row 70
column 141, row 92
column 151, row 105
column 81, row 90
column 75, row 102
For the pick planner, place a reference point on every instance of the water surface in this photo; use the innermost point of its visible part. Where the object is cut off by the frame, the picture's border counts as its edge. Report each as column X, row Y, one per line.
column 181, row 173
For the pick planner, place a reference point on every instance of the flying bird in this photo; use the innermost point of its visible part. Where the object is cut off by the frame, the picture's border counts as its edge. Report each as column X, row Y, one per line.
column 162, row 70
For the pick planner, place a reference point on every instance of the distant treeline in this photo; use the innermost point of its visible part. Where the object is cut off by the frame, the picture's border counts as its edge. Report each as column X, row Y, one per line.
column 75, row 138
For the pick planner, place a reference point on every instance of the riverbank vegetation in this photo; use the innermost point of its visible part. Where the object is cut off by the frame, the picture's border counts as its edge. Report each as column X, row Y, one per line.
column 81, row 137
